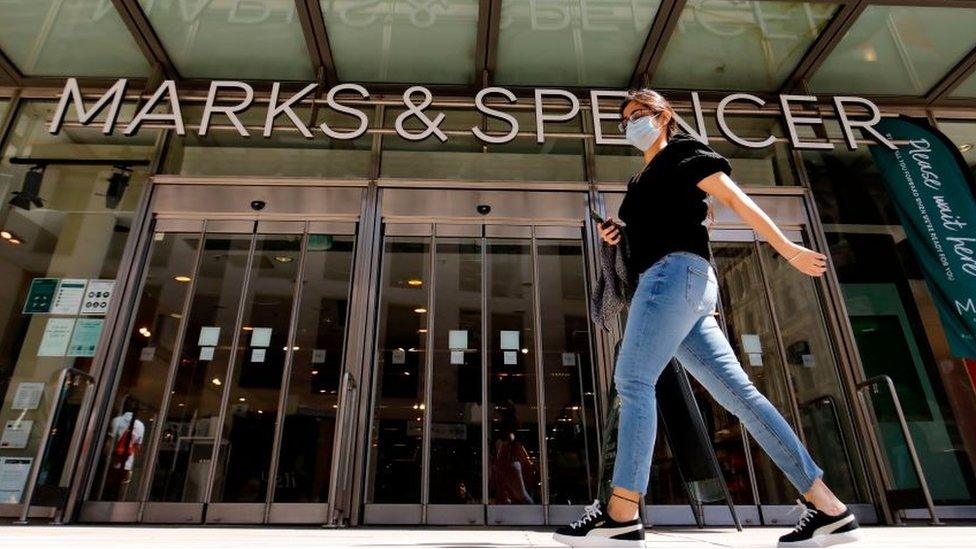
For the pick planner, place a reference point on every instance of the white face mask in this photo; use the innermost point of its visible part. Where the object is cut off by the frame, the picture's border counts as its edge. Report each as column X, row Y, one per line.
column 642, row 133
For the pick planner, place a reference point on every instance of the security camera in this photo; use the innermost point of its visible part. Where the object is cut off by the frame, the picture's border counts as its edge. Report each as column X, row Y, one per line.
column 257, row 205
column 483, row 209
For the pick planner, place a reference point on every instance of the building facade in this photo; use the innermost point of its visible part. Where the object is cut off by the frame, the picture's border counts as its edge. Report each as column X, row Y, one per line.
column 372, row 308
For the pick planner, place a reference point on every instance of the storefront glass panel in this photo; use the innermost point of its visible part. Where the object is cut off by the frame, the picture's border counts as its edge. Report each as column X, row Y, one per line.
column 456, row 427
column 204, row 40
column 396, row 438
column 896, row 327
column 570, row 402
column 725, row 45
column 148, row 355
column 251, row 405
column 769, row 166
column 192, row 426
column 965, row 90
column 64, row 229
column 514, row 475
column 397, row 41
column 897, row 50
column 305, row 456
column 465, row 157
column 287, row 153
column 571, row 42
column 69, row 38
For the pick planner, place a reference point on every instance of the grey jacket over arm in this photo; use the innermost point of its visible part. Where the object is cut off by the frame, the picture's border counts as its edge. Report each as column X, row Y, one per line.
column 615, row 284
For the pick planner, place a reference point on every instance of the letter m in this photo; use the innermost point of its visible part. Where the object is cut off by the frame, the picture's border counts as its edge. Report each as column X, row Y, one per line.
column 969, row 307
column 73, row 93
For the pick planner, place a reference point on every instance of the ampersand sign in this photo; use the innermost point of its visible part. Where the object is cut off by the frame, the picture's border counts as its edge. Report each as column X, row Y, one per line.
column 433, row 126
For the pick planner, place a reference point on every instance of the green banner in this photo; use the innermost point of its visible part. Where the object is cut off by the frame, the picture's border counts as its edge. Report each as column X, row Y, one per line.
column 932, row 191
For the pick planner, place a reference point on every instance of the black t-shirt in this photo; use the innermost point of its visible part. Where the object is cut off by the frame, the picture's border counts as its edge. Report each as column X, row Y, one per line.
column 664, row 210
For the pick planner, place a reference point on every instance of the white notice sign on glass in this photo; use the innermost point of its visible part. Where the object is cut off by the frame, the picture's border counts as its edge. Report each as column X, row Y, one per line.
column 511, row 357
column 16, row 433
column 751, row 343
column 209, row 336
column 509, row 339
column 57, row 334
column 257, row 355
column 399, row 356
column 28, row 395
column 457, row 357
column 13, row 478
column 260, row 337
column 457, row 339
column 206, row 353
column 68, row 298
column 318, row 356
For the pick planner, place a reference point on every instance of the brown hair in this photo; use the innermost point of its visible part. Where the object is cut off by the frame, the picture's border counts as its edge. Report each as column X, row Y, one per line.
column 654, row 102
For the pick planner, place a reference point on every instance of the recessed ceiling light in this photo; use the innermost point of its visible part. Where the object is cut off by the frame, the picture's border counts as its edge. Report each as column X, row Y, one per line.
column 415, row 282
column 216, row 381
column 420, row 310
column 7, row 236
column 966, row 147
column 181, row 278
column 242, row 399
column 14, row 241
column 284, row 259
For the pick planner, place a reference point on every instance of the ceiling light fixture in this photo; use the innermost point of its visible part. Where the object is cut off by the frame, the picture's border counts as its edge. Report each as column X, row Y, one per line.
column 181, row 278
column 966, row 147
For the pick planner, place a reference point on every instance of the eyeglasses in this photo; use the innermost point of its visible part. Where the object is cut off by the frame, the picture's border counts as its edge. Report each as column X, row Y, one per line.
column 640, row 113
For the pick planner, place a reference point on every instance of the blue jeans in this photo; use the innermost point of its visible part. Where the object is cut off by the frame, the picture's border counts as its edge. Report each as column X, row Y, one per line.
column 671, row 316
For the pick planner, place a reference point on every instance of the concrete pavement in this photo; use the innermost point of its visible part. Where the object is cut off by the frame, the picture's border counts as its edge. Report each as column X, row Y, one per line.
column 130, row 537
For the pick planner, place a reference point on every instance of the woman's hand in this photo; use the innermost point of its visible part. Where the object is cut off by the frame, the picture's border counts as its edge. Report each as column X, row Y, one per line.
column 806, row 260
column 610, row 232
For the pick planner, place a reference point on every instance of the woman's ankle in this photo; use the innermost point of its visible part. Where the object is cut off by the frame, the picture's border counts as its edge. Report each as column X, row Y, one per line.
column 623, row 507
column 821, row 497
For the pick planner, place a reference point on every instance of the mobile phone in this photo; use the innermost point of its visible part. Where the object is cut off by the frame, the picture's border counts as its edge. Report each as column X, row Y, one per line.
column 597, row 217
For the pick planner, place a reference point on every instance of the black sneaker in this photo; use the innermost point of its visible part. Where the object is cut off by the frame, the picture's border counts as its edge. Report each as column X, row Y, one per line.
column 818, row 529
column 597, row 529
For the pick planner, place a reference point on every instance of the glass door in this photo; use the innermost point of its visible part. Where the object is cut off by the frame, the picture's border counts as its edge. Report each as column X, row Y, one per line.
column 484, row 400
column 775, row 320
column 231, row 376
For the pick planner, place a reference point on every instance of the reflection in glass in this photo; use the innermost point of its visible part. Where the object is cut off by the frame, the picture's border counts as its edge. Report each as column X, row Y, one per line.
column 967, row 89
column 571, row 42
column 571, row 432
column 305, row 459
column 812, row 365
column 69, row 38
column 286, row 153
column 896, row 326
column 456, row 405
column 514, row 473
column 403, row 41
column 753, row 337
column 897, row 50
column 204, row 39
column 398, row 414
column 148, row 356
column 190, row 428
column 522, row 159
column 248, row 430
column 80, row 234
column 728, row 44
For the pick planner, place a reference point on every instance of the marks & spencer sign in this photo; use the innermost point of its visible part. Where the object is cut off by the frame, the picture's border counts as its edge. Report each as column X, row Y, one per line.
column 228, row 99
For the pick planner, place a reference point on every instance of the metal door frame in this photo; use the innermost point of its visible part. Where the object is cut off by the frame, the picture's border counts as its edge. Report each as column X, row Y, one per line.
column 269, row 512
column 481, row 513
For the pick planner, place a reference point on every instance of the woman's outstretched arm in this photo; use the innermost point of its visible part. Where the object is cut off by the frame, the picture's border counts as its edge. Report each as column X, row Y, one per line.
column 728, row 193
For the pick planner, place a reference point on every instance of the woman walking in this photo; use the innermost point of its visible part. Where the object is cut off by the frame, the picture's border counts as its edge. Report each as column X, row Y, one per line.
column 671, row 315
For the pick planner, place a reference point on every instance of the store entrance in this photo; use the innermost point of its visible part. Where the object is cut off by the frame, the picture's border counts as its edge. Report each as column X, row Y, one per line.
column 484, row 399
column 226, row 408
